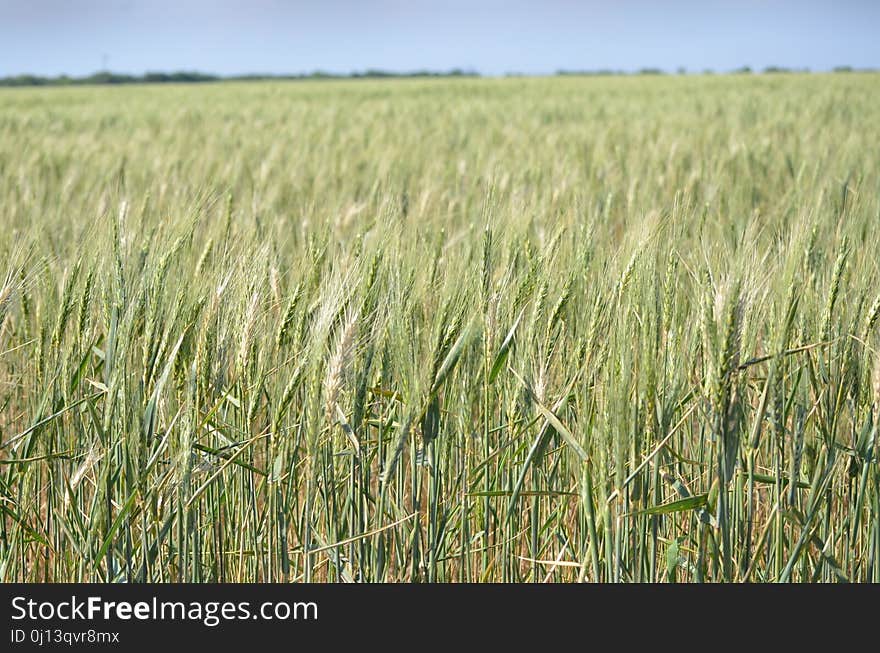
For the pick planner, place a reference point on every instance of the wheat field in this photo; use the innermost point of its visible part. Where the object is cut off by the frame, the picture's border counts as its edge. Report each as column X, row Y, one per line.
column 603, row 329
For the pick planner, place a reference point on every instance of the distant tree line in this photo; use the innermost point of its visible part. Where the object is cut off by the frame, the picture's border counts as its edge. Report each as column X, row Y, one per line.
column 106, row 77
column 744, row 70
column 187, row 77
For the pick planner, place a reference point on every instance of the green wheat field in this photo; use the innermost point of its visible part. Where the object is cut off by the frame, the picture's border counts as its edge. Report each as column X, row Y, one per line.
column 602, row 329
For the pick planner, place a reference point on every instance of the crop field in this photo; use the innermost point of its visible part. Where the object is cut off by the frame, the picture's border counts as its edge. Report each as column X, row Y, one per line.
column 603, row 329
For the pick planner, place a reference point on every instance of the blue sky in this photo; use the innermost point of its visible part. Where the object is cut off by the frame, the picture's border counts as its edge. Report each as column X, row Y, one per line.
column 51, row 37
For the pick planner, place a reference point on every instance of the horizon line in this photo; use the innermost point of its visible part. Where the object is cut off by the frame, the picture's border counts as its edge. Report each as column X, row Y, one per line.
column 195, row 76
